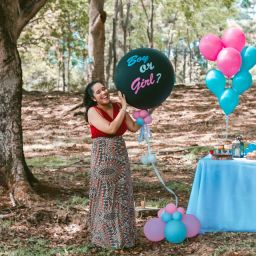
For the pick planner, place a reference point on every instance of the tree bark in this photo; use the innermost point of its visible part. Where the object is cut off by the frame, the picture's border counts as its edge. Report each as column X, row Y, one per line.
column 14, row 172
column 150, row 19
column 96, row 40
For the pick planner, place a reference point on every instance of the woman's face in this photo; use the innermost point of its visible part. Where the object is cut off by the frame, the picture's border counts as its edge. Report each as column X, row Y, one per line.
column 100, row 94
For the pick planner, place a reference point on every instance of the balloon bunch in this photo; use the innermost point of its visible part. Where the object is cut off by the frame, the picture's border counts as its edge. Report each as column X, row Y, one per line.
column 250, row 148
column 172, row 224
column 143, row 119
column 234, row 61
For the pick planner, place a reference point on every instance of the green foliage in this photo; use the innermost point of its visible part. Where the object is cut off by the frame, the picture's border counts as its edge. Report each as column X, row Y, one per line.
column 51, row 161
column 41, row 247
column 78, row 201
column 57, row 37
column 57, row 42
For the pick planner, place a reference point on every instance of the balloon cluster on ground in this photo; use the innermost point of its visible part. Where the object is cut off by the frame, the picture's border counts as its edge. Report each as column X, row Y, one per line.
column 172, row 224
column 234, row 61
column 145, row 76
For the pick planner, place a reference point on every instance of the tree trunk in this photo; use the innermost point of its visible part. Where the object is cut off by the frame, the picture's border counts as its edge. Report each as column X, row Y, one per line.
column 184, row 64
column 64, row 83
column 96, row 40
column 14, row 173
column 12, row 161
column 150, row 20
column 124, row 22
column 115, row 18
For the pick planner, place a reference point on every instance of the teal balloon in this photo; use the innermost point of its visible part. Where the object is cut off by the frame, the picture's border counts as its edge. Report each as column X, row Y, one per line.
column 242, row 81
column 229, row 100
column 215, row 82
column 140, row 122
column 166, row 216
column 175, row 231
column 248, row 55
column 177, row 216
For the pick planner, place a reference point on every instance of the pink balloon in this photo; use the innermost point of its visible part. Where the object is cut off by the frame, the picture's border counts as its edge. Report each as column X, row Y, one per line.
column 148, row 120
column 235, row 38
column 229, row 61
column 210, row 46
column 154, row 229
column 181, row 210
column 160, row 212
column 143, row 113
column 136, row 114
column 171, row 208
column 192, row 224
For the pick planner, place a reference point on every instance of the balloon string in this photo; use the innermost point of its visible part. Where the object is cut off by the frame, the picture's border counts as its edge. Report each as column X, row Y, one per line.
column 227, row 126
column 147, row 134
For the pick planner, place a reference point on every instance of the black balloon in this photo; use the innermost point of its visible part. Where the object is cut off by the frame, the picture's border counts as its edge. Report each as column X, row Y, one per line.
column 145, row 76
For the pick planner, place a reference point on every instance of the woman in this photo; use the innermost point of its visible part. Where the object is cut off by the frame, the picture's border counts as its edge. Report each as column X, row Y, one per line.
column 112, row 216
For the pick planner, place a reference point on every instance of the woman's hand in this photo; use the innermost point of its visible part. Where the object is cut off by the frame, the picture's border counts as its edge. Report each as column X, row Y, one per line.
column 122, row 100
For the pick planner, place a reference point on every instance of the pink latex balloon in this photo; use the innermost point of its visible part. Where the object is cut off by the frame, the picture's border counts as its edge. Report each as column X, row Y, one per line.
column 136, row 114
column 181, row 210
column 210, row 46
column 229, row 61
column 154, row 229
column 143, row 113
column 192, row 224
column 160, row 212
column 235, row 38
column 171, row 208
column 148, row 119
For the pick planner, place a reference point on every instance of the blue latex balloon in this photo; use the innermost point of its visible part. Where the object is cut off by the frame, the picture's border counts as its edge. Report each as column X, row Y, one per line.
column 144, row 160
column 175, row 231
column 242, row 81
column 248, row 55
column 140, row 121
column 166, row 216
column 229, row 100
column 177, row 216
column 215, row 82
column 152, row 158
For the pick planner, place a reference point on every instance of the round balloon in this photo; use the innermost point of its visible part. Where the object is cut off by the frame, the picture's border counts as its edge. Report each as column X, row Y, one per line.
column 229, row 100
column 154, row 229
column 175, row 231
column 248, row 57
column 210, row 46
column 215, row 81
column 192, row 224
column 229, row 61
column 235, row 38
column 145, row 76
column 242, row 81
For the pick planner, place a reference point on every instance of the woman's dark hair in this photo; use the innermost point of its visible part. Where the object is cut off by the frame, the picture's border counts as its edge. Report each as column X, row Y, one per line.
column 88, row 98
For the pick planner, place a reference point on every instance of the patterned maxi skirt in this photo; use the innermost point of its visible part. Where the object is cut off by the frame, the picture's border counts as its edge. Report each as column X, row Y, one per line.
column 112, row 215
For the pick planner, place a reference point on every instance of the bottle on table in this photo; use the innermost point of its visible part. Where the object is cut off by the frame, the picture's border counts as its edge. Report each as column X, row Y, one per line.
column 238, row 147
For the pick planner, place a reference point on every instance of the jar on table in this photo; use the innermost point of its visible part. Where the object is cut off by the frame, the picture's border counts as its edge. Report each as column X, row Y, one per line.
column 238, row 147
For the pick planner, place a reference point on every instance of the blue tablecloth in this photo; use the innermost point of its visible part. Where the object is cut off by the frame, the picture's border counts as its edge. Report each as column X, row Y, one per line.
column 223, row 195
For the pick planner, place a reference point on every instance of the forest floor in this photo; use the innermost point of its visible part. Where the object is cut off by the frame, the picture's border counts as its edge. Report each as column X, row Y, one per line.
column 57, row 148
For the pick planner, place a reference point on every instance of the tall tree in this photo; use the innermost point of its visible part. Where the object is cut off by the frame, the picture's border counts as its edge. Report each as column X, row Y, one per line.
column 96, row 40
column 14, row 15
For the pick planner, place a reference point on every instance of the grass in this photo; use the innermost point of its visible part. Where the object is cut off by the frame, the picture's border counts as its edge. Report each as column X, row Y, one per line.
column 193, row 153
column 243, row 246
column 73, row 201
column 52, row 161
column 78, row 201
column 41, row 247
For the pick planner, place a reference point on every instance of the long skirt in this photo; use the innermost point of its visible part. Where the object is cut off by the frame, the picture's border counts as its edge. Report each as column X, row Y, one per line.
column 112, row 215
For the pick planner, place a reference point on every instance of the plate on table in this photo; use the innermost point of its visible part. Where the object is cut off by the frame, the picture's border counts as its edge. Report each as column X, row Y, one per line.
column 222, row 157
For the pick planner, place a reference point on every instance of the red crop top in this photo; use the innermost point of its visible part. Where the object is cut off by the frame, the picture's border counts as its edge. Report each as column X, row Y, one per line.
column 95, row 133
